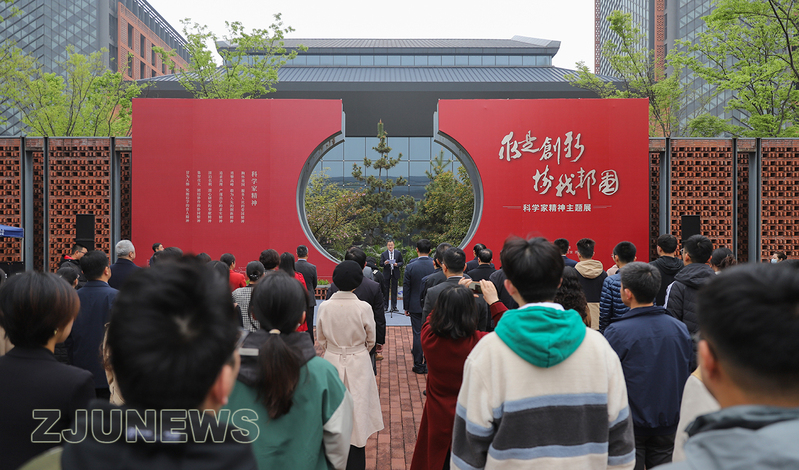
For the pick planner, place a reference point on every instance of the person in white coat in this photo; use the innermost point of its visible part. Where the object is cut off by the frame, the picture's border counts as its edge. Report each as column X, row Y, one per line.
column 345, row 329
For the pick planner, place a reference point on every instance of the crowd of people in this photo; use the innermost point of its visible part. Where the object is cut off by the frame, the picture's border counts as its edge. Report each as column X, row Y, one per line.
column 544, row 362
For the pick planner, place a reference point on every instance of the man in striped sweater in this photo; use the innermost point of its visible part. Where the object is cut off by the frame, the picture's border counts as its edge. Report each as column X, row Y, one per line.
column 542, row 390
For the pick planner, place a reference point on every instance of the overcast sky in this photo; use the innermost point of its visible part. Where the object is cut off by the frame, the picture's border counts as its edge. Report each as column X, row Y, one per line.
column 569, row 21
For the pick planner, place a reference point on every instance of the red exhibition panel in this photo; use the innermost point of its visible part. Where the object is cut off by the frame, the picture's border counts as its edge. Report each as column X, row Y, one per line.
column 221, row 176
column 558, row 168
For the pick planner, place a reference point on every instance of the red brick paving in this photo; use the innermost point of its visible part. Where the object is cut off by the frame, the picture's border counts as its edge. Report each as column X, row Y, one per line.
column 402, row 402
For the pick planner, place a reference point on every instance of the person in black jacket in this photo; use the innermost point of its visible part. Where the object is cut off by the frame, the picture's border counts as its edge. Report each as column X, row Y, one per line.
column 417, row 269
column 308, row 272
column 174, row 352
column 681, row 297
column 668, row 263
column 655, row 352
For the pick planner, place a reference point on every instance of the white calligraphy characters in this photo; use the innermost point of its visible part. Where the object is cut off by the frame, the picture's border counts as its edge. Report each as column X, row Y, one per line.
column 568, row 149
column 221, row 197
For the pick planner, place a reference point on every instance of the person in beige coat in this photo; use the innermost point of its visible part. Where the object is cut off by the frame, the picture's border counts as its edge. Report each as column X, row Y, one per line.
column 345, row 329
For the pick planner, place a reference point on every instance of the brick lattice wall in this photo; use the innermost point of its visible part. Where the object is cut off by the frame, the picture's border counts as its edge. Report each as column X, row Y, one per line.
column 780, row 197
column 10, row 204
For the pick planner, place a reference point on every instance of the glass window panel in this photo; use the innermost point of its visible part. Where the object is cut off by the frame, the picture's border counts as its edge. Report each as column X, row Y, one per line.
column 354, row 148
column 420, row 60
column 461, row 60
column 381, row 60
column 528, row 60
column 353, row 60
column 489, row 60
column 475, row 60
column 367, row 60
column 312, row 60
column 326, row 60
column 406, row 60
column 400, row 191
column 448, row 60
column 335, row 170
column 398, row 145
column 434, row 60
column 339, row 60
column 371, row 142
column 419, row 148
column 416, row 173
column 515, row 60
column 394, row 60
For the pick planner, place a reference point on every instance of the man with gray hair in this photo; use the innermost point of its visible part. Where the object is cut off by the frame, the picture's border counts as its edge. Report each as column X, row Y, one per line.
column 124, row 266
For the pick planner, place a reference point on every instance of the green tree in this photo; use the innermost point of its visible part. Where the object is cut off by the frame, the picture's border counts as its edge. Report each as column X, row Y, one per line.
column 250, row 61
column 445, row 212
column 640, row 75
column 749, row 49
column 87, row 100
column 331, row 212
column 384, row 212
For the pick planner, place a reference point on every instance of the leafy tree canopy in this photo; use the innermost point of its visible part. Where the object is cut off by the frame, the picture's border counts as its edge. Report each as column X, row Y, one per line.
column 87, row 100
column 250, row 60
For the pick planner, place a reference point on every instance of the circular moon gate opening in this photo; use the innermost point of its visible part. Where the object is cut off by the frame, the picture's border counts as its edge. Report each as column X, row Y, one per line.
column 328, row 193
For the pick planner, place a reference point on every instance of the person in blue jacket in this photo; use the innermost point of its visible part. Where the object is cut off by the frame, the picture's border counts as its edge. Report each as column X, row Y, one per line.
column 655, row 350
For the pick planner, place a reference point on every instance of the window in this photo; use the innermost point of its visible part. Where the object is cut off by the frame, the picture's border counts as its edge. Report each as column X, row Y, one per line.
column 142, row 46
column 152, row 57
column 141, row 70
column 130, row 36
column 130, row 65
column 152, row 73
column 163, row 67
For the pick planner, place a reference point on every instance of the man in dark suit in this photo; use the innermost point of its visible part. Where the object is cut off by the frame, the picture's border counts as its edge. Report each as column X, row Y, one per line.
column 411, row 298
column 563, row 246
column 96, row 298
column 452, row 267
column 308, row 271
column 476, row 261
column 485, row 268
column 369, row 291
column 124, row 266
column 391, row 261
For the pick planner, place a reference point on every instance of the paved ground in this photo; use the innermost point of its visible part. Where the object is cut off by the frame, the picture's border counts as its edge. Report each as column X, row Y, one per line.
column 402, row 402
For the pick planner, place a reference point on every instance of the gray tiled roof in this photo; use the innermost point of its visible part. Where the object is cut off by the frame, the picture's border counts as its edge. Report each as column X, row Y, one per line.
column 416, row 74
column 516, row 42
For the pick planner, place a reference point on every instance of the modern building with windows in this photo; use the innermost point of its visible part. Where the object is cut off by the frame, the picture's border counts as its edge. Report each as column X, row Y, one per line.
column 400, row 81
column 127, row 29
column 663, row 23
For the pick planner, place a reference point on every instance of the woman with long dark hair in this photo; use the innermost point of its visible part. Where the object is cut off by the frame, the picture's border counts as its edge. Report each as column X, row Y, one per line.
column 448, row 336
column 37, row 311
column 304, row 411
column 571, row 296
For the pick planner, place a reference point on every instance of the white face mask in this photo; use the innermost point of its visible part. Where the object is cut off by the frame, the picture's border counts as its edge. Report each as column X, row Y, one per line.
column 774, row 260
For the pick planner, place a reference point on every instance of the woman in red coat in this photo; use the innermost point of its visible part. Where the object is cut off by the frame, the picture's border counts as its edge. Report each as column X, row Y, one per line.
column 448, row 336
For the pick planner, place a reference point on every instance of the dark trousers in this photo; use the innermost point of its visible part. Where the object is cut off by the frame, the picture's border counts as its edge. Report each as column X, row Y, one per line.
column 651, row 451
column 309, row 321
column 389, row 282
column 416, row 349
column 357, row 458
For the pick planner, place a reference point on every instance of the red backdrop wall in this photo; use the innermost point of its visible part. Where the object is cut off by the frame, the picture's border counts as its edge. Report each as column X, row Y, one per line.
column 558, row 168
column 220, row 176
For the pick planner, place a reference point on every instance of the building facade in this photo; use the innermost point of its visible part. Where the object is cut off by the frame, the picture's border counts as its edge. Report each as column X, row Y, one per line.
column 663, row 23
column 126, row 29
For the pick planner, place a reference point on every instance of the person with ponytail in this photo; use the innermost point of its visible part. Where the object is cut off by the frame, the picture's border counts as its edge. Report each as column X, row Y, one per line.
column 304, row 410
column 345, row 329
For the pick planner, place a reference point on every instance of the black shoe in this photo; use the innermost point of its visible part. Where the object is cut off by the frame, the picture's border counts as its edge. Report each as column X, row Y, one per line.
column 424, row 392
column 394, row 310
column 419, row 370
